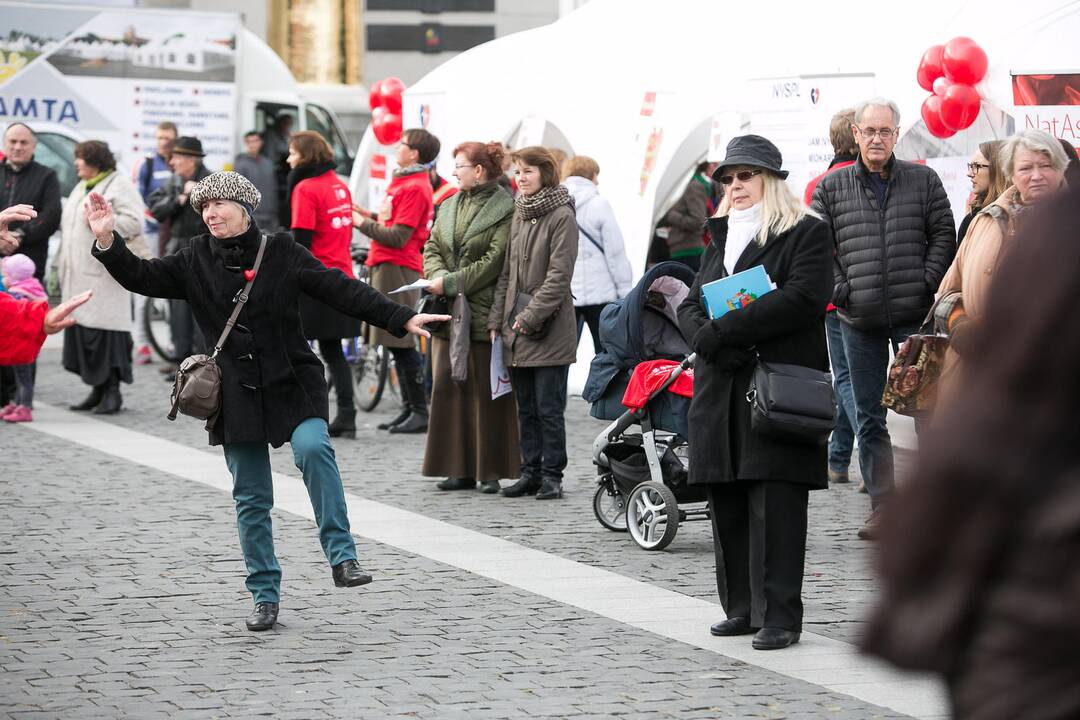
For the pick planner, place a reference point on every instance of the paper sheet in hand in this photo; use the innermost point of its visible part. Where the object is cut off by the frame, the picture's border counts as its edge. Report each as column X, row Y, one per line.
column 736, row 291
column 421, row 284
column 500, row 376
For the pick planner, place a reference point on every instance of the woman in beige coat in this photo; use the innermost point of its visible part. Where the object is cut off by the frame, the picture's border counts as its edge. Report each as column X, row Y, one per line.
column 533, row 311
column 98, row 347
column 1035, row 165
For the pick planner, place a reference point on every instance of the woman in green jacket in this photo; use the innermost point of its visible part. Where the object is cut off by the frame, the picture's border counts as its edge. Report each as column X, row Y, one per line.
column 472, row 438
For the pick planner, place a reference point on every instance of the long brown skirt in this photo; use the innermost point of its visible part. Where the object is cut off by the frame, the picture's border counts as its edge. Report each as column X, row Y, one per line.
column 469, row 434
column 386, row 277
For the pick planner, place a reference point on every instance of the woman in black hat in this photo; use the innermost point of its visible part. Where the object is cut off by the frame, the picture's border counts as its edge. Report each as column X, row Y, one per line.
column 757, row 485
column 272, row 386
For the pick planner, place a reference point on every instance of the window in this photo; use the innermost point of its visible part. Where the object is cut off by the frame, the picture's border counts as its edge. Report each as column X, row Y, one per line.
column 318, row 119
column 57, row 152
column 433, row 6
column 191, row 59
column 429, row 37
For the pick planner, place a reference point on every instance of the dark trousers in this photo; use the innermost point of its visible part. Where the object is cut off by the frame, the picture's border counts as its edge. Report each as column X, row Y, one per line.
column 334, row 359
column 541, row 401
column 186, row 336
column 759, row 537
column 590, row 315
column 24, row 384
column 842, row 440
column 867, row 355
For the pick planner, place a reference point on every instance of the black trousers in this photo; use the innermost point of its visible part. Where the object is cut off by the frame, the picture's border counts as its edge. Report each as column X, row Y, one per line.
column 340, row 372
column 186, row 336
column 541, row 401
column 759, row 537
column 590, row 315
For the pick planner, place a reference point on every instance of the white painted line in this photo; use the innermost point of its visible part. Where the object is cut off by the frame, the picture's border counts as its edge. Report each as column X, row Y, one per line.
column 819, row 660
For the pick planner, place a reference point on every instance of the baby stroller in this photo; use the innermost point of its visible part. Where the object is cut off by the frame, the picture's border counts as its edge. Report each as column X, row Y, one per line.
column 642, row 456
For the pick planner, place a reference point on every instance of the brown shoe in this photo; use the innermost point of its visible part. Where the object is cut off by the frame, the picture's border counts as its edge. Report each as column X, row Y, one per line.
column 837, row 478
column 862, row 488
column 168, row 369
column 871, row 529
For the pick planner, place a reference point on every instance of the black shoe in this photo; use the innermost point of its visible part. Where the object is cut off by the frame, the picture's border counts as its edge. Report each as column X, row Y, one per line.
column 490, row 487
column 344, row 425
column 527, row 485
column 415, row 423
column 453, row 483
column 549, row 490
column 168, row 369
column 733, row 626
column 262, row 617
column 350, row 574
column 92, row 400
column 110, row 401
column 768, row 638
column 402, row 417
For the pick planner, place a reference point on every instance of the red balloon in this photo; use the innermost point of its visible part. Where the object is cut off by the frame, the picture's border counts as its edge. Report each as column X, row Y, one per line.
column 386, row 126
column 930, row 68
column 931, row 115
column 960, row 106
column 391, row 90
column 941, row 85
column 963, row 61
column 374, row 97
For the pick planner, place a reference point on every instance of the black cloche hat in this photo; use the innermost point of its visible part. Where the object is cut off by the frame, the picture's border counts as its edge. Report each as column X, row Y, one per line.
column 752, row 150
column 188, row 146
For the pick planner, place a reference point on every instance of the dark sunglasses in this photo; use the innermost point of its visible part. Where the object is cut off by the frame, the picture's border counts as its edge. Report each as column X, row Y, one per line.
column 743, row 175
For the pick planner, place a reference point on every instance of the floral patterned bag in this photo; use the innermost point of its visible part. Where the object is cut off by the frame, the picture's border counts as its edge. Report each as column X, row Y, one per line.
column 912, row 385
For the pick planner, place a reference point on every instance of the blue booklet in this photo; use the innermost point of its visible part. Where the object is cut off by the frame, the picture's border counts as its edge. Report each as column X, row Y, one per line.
column 736, row 291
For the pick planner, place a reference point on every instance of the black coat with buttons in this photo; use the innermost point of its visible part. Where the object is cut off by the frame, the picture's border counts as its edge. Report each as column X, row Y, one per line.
column 783, row 326
column 271, row 379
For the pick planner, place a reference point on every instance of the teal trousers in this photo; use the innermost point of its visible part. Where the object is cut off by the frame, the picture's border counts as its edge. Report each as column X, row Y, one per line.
column 253, row 491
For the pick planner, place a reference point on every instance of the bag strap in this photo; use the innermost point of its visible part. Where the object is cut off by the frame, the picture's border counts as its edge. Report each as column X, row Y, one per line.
column 241, row 298
column 591, row 239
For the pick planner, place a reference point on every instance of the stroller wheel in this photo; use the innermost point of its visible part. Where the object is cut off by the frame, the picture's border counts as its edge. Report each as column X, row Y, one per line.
column 652, row 515
column 609, row 506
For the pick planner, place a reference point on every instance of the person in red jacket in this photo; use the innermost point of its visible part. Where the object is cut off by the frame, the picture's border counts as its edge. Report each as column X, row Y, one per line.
column 24, row 324
column 398, row 233
column 842, row 441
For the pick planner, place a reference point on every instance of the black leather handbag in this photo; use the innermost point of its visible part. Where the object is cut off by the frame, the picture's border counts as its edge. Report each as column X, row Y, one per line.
column 434, row 305
column 792, row 402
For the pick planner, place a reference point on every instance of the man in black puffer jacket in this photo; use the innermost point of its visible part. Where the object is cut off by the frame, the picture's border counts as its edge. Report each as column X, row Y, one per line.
column 895, row 238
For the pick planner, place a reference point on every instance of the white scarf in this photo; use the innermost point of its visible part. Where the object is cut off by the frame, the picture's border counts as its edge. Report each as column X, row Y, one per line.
column 743, row 227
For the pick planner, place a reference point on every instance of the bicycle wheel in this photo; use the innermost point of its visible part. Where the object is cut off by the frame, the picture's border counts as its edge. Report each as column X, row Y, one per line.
column 155, row 319
column 369, row 376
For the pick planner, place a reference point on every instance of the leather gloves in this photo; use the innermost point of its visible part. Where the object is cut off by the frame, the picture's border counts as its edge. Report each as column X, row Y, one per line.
column 707, row 344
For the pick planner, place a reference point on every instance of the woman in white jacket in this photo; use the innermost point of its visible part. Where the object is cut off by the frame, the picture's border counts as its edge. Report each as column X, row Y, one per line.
column 602, row 272
column 98, row 347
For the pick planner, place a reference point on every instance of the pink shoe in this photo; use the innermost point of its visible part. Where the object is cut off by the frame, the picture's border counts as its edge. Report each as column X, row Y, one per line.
column 21, row 413
column 6, row 410
column 143, row 356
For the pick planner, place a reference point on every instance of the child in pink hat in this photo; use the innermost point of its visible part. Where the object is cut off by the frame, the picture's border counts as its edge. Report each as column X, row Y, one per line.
column 19, row 281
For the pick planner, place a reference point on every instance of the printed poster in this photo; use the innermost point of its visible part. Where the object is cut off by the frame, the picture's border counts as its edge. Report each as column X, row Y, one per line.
column 114, row 75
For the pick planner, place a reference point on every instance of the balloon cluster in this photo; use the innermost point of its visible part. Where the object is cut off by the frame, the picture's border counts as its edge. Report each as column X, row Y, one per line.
column 384, row 98
column 950, row 72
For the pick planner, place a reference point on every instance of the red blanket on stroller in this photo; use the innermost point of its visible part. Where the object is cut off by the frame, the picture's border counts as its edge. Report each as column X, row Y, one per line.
column 649, row 376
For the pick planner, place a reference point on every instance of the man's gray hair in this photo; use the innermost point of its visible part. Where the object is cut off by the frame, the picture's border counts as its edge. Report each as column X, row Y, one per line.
column 1037, row 142
column 860, row 109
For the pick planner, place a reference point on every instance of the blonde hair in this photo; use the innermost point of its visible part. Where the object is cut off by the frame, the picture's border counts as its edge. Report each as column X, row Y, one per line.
column 781, row 210
column 581, row 166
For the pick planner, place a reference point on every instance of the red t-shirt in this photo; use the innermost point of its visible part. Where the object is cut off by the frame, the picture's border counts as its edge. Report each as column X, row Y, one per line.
column 412, row 205
column 323, row 205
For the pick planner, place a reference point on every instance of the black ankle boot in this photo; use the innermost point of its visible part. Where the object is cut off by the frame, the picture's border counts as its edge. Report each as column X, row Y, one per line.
column 402, row 417
column 110, row 399
column 92, row 400
column 527, row 485
column 456, row 483
column 344, row 425
column 412, row 387
column 550, row 489
column 262, row 617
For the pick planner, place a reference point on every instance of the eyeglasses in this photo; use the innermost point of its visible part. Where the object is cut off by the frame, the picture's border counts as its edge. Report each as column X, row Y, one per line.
column 462, row 167
column 742, row 175
column 883, row 133
column 975, row 167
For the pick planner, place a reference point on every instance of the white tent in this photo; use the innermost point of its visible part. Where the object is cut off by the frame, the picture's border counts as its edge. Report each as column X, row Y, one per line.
column 637, row 84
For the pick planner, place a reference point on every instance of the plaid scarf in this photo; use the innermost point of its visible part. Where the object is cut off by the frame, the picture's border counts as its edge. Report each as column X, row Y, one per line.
column 543, row 201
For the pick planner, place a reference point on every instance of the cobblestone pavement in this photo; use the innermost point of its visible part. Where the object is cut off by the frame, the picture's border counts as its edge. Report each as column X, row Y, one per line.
column 121, row 595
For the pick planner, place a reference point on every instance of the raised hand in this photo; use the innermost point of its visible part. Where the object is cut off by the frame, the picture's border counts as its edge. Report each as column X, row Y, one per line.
column 99, row 215
column 417, row 322
column 57, row 319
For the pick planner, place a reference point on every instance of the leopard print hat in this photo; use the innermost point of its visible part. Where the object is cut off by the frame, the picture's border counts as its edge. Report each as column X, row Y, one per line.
column 225, row 186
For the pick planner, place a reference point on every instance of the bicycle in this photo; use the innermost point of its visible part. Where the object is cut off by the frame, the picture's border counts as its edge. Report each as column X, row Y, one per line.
column 155, row 319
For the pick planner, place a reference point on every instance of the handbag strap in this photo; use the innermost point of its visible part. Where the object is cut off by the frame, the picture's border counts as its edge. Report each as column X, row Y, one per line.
column 241, row 298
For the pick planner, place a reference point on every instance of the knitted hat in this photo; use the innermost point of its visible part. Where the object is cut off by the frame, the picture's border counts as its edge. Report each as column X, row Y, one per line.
column 18, row 267
column 225, row 186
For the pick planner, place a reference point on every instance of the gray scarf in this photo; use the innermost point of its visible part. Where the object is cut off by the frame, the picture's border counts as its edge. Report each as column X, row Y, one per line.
column 542, row 202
